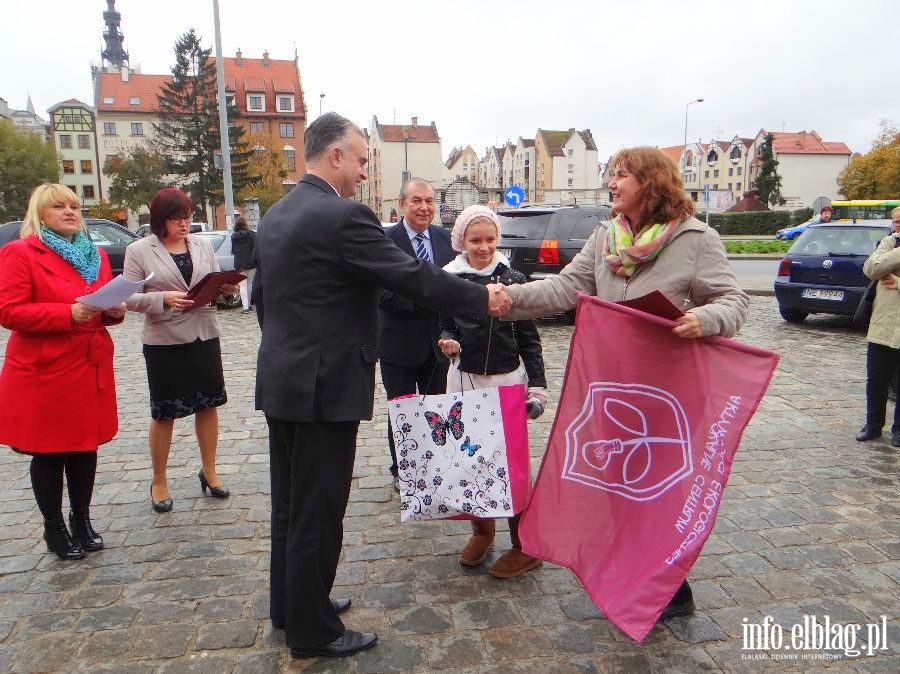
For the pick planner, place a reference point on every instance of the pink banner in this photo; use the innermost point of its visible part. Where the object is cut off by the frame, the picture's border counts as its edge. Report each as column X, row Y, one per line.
column 639, row 453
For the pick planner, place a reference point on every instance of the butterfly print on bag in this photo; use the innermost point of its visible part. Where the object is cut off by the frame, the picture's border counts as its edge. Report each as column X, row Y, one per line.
column 440, row 426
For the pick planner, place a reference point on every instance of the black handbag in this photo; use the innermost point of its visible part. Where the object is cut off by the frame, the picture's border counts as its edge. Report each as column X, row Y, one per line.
column 863, row 314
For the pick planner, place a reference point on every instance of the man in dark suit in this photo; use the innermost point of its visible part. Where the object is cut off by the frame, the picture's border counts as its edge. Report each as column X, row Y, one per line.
column 408, row 334
column 321, row 260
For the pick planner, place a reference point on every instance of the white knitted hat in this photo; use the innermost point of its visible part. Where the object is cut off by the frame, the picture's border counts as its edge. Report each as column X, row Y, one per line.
column 458, row 235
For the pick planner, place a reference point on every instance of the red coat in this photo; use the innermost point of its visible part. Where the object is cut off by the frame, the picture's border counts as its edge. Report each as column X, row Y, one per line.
column 57, row 391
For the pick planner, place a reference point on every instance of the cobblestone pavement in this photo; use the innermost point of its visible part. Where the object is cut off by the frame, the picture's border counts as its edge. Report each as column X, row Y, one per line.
column 809, row 524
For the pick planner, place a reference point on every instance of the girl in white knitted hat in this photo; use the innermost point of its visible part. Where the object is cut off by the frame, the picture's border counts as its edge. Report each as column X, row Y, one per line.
column 490, row 353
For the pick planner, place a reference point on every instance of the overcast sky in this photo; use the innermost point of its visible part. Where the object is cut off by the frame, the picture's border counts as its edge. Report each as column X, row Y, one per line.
column 488, row 71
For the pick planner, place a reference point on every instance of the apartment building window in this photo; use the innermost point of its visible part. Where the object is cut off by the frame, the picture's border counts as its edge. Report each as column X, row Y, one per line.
column 570, row 182
column 738, row 186
column 84, row 141
column 729, row 185
column 716, row 173
column 706, row 174
column 571, row 168
column 731, row 171
column 256, row 102
column 137, row 128
column 87, row 166
column 88, row 191
column 256, row 127
column 65, row 141
column 286, row 129
column 68, row 166
column 290, row 158
column 571, row 153
column 716, row 186
column 740, row 170
column 109, row 129
column 111, row 157
column 285, row 103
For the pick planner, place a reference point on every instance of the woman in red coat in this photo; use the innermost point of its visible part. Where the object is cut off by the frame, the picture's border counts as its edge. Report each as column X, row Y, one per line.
column 57, row 392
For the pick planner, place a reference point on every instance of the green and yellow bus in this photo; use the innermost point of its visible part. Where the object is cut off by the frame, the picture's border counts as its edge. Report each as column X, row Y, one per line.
column 863, row 209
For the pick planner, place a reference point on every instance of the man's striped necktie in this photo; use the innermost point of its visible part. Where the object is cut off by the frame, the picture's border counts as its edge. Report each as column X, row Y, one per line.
column 421, row 250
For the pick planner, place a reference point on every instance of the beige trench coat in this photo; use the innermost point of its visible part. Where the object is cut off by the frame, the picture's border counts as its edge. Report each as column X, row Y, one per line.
column 884, row 328
column 692, row 271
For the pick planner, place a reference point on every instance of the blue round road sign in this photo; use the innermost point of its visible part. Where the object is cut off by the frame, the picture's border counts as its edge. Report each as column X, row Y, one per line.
column 514, row 195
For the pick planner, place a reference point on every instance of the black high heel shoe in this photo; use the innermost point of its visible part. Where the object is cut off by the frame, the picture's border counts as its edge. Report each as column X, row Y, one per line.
column 83, row 531
column 163, row 506
column 217, row 492
column 59, row 541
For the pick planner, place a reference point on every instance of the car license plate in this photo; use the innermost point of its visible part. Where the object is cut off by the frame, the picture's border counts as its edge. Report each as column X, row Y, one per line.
column 505, row 252
column 819, row 294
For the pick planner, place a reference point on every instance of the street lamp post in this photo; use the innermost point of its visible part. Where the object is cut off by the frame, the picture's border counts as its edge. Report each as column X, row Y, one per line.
column 321, row 98
column 684, row 147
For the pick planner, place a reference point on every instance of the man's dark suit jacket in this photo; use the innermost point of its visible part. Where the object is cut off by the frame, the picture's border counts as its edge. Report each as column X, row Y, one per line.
column 322, row 261
column 408, row 334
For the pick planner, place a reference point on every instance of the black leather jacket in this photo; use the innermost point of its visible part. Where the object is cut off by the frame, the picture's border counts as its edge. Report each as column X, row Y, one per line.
column 243, row 241
column 492, row 346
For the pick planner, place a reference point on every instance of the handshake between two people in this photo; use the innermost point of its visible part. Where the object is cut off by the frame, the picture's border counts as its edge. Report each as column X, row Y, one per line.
column 499, row 301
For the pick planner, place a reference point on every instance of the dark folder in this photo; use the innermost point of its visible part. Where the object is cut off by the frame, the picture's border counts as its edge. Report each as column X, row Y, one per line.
column 654, row 303
column 207, row 289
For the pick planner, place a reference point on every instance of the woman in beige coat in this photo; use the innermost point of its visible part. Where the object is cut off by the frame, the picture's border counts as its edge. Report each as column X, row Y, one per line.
column 181, row 343
column 653, row 243
column 883, row 352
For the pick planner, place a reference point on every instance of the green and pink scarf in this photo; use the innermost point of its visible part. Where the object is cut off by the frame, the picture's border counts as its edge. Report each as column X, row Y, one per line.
column 623, row 253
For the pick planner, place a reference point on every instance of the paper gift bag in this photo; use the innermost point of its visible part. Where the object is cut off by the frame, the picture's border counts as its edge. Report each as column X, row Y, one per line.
column 462, row 454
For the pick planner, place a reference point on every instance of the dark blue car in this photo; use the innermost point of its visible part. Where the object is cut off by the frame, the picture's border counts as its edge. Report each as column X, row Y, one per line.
column 822, row 271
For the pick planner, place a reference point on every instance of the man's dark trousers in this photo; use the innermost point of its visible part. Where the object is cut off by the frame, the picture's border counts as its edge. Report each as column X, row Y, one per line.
column 428, row 378
column 311, row 466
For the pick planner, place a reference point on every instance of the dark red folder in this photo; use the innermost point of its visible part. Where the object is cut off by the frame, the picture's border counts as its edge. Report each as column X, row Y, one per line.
column 654, row 303
column 207, row 289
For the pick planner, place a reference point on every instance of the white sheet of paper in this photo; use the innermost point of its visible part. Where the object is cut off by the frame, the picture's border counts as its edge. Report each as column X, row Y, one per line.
column 113, row 293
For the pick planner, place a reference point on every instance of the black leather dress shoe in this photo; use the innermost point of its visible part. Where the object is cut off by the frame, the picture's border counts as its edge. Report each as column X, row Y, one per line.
column 682, row 603
column 349, row 643
column 868, row 433
column 341, row 605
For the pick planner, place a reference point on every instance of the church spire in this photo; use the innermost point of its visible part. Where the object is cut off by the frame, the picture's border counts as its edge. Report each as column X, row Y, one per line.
column 114, row 53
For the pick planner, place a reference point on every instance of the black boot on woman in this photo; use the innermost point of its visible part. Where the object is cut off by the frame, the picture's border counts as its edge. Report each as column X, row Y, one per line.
column 59, row 541
column 83, row 531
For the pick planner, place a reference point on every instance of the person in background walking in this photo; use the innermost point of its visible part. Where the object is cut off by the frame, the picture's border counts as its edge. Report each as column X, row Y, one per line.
column 57, row 389
column 181, row 348
column 243, row 243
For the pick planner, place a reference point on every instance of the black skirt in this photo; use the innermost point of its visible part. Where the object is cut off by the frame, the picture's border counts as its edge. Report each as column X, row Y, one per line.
column 184, row 378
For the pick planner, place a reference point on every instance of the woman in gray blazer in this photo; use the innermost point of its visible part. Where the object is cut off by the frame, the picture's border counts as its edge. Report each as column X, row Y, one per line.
column 181, row 348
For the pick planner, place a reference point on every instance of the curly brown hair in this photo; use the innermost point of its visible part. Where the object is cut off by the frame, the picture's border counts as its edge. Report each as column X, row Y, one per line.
column 661, row 192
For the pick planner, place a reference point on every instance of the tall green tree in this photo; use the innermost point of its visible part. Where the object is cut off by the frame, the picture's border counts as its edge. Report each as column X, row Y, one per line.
column 768, row 182
column 876, row 174
column 188, row 131
column 26, row 161
column 135, row 177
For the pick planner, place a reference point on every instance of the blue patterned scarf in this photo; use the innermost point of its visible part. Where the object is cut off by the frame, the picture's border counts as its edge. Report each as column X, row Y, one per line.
column 81, row 253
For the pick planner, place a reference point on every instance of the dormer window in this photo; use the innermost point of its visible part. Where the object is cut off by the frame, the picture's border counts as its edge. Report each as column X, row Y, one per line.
column 134, row 100
column 108, row 100
column 285, row 103
column 256, row 102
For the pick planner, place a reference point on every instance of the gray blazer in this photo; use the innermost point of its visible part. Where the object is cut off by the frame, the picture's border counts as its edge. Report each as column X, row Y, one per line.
column 162, row 324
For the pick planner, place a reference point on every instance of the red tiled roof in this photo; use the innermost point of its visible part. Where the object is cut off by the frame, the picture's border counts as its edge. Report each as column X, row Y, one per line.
column 805, row 142
column 394, row 133
column 673, row 153
column 254, row 76
column 144, row 88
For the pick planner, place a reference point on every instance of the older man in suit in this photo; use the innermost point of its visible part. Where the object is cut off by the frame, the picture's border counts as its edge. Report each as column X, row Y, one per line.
column 408, row 334
column 322, row 259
